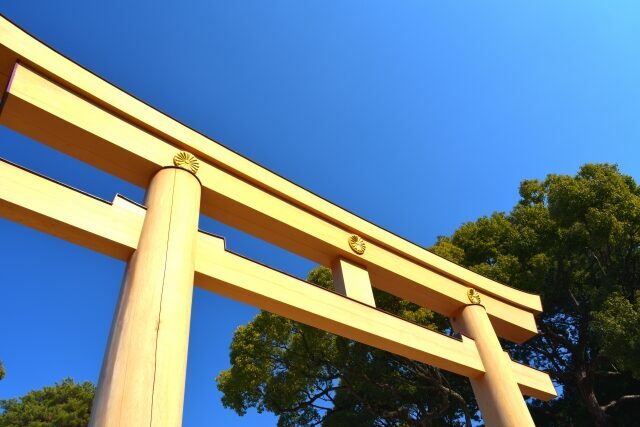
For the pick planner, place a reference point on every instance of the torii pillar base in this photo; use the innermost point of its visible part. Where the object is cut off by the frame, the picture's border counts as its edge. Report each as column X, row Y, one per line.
column 143, row 372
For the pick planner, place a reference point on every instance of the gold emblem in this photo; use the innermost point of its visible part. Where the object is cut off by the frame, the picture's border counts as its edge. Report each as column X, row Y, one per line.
column 474, row 296
column 357, row 244
column 186, row 161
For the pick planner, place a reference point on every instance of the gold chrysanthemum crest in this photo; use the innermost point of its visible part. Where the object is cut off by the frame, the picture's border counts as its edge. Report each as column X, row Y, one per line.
column 474, row 296
column 357, row 244
column 186, row 161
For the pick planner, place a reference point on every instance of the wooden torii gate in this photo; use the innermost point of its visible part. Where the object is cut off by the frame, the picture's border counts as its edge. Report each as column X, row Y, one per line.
column 57, row 102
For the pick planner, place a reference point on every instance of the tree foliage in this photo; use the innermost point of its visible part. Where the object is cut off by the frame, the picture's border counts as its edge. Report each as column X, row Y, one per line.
column 65, row 404
column 617, row 327
column 575, row 240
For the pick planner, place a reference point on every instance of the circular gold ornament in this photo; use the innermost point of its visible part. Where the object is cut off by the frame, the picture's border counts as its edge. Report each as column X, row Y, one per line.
column 186, row 161
column 357, row 244
column 474, row 296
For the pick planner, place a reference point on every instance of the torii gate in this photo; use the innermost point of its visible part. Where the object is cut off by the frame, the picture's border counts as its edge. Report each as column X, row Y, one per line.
column 57, row 102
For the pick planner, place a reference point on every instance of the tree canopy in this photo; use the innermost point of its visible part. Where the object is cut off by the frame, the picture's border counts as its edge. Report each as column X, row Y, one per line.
column 575, row 240
column 65, row 404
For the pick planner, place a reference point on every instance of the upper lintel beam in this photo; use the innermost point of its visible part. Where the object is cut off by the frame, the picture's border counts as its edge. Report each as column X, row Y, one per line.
column 56, row 116
column 16, row 44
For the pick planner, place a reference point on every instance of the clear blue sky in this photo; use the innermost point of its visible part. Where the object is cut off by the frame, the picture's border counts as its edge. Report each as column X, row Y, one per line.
column 417, row 115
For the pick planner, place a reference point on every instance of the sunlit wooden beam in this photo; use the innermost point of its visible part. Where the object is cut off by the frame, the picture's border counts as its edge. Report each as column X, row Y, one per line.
column 45, row 111
column 114, row 228
column 17, row 45
column 51, row 207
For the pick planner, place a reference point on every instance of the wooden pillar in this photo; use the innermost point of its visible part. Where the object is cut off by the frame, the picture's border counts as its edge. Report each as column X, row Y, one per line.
column 143, row 373
column 497, row 392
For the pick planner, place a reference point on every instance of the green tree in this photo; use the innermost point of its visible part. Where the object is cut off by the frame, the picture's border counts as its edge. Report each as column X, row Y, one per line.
column 2, row 372
column 66, row 404
column 617, row 326
column 575, row 240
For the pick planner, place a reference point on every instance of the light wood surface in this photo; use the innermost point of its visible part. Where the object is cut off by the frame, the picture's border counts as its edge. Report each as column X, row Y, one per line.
column 244, row 280
column 353, row 281
column 55, row 101
column 49, row 113
column 51, row 207
column 113, row 229
column 16, row 44
column 142, row 378
column 500, row 400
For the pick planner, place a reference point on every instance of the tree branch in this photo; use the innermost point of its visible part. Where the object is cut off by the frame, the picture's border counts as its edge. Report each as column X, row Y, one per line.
column 620, row 400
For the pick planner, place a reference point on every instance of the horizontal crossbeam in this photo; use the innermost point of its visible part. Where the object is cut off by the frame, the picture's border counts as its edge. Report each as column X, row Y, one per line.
column 54, row 115
column 113, row 229
column 392, row 252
